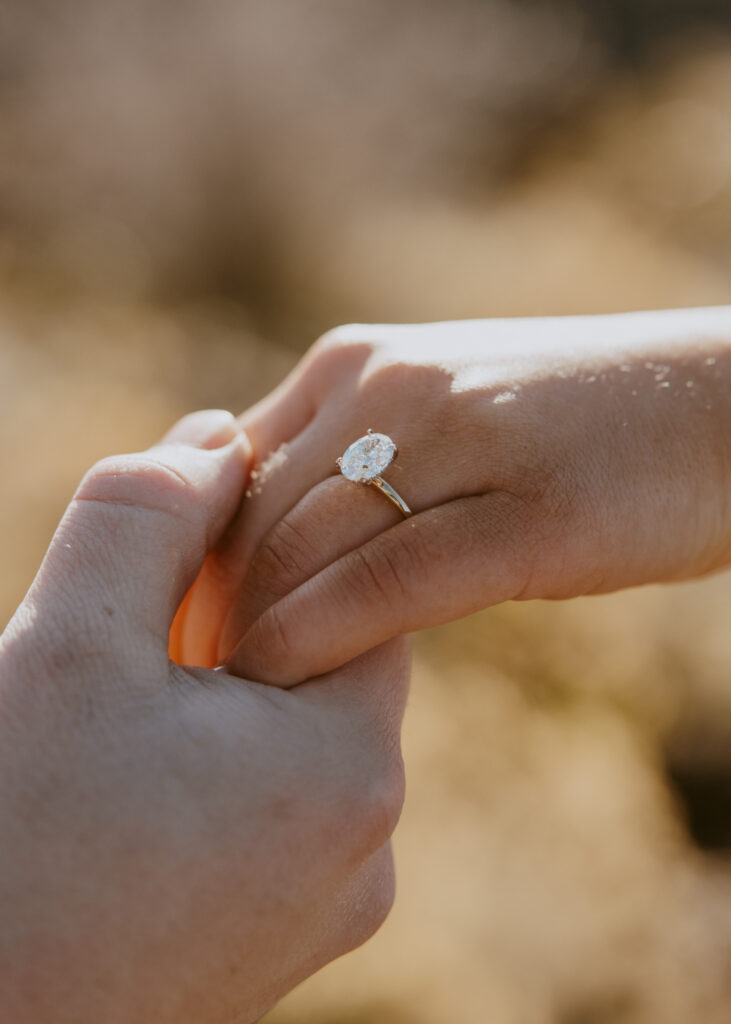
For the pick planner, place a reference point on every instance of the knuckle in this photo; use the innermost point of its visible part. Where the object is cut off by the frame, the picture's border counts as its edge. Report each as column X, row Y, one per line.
column 269, row 643
column 380, row 574
column 379, row 895
column 543, row 504
column 345, row 346
column 364, row 903
column 507, row 515
column 375, row 806
column 368, row 575
column 139, row 480
column 390, row 369
column 279, row 562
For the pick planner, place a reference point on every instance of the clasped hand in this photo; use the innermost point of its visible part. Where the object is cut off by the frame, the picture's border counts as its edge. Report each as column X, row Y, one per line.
column 197, row 841
column 178, row 845
column 544, row 458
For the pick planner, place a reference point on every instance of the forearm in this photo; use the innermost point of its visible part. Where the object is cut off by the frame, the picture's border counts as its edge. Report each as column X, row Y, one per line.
column 681, row 366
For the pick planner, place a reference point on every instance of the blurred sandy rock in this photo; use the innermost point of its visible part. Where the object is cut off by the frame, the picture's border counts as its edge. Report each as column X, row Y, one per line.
column 189, row 192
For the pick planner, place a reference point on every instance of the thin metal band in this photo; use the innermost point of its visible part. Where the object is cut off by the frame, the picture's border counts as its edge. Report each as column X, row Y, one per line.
column 397, row 500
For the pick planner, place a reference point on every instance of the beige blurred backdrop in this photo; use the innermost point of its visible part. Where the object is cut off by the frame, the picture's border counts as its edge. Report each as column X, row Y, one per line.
column 189, row 193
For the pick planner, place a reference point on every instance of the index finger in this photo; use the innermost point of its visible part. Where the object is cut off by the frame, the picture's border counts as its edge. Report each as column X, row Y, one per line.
column 292, row 440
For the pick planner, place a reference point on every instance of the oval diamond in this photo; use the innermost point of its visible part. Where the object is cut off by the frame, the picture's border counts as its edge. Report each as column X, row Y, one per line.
column 367, row 457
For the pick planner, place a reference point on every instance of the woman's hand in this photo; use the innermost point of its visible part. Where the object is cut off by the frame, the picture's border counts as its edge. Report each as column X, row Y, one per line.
column 543, row 458
column 177, row 845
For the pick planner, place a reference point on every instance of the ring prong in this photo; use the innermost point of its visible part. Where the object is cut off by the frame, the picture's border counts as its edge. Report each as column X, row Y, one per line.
column 339, row 462
column 370, row 430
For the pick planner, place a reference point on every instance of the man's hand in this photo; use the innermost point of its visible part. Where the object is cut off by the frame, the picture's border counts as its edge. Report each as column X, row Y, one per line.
column 177, row 845
column 543, row 458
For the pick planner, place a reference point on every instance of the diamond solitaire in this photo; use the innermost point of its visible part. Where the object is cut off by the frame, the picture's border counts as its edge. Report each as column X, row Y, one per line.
column 368, row 457
column 365, row 460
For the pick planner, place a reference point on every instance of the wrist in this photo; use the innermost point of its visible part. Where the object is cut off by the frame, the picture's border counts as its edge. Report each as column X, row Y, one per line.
column 687, row 354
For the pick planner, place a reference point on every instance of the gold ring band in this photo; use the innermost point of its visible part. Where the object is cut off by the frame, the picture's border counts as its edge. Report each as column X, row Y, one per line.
column 397, row 500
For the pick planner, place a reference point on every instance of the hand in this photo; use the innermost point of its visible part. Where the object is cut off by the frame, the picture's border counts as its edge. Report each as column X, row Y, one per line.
column 543, row 458
column 177, row 845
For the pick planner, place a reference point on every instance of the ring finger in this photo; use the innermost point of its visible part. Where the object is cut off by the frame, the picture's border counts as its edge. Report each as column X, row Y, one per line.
column 336, row 517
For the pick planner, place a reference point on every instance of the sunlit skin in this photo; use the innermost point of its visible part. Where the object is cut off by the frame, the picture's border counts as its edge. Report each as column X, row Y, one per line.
column 178, row 846
column 543, row 458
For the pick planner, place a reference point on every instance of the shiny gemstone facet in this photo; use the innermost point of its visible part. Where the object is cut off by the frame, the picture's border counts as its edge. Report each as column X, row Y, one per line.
column 367, row 457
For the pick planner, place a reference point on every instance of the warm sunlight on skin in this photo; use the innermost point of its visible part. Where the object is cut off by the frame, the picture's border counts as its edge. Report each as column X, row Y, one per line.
column 543, row 458
column 178, row 845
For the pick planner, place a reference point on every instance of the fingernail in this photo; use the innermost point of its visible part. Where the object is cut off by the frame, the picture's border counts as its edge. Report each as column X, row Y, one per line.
column 208, row 429
column 218, row 427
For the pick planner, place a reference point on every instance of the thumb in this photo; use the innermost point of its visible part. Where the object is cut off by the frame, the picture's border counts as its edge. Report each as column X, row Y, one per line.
column 138, row 528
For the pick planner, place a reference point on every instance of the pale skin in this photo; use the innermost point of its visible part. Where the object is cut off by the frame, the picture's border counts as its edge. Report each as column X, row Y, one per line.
column 181, row 845
column 178, row 846
column 543, row 458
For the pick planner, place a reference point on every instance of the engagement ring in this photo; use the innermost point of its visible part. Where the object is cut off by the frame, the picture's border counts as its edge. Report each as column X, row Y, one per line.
column 365, row 460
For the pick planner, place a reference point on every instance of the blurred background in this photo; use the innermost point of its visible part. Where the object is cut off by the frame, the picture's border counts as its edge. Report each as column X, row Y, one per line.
column 189, row 194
